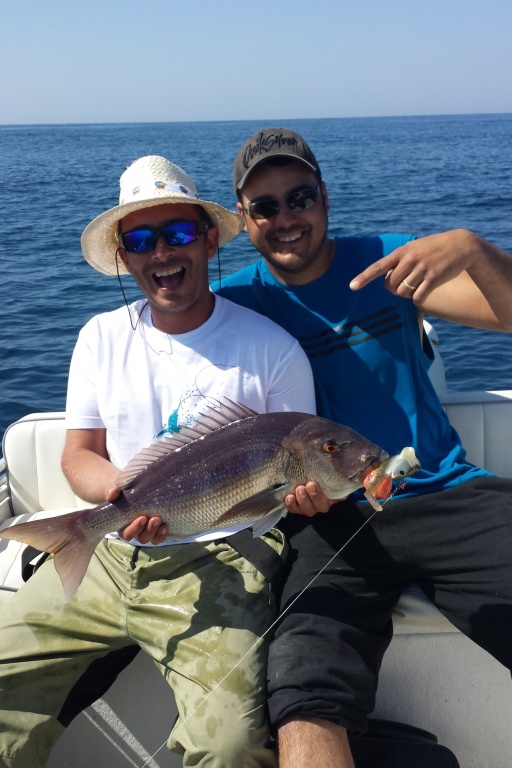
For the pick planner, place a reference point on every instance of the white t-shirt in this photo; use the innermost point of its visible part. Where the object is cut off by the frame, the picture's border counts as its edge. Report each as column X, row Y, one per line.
column 141, row 384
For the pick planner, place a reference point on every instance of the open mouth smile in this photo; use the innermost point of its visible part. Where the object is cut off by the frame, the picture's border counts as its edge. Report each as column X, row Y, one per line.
column 169, row 278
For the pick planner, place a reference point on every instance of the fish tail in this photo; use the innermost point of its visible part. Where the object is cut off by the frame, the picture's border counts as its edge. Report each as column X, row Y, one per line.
column 60, row 535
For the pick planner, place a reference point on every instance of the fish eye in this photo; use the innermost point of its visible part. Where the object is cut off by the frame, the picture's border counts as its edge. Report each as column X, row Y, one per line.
column 331, row 446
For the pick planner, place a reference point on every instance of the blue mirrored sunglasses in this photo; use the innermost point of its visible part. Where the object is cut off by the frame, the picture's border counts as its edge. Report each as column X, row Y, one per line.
column 175, row 234
column 296, row 201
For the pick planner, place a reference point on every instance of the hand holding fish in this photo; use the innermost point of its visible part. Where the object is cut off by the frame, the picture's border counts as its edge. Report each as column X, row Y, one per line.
column 113, row 493
column 308, row 500
column 147, row 530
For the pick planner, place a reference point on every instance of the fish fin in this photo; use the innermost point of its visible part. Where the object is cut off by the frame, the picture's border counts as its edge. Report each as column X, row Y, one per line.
column 267, row 522
column 256, row 507
column 222, row 413
column 61, row 536
column 226, row 411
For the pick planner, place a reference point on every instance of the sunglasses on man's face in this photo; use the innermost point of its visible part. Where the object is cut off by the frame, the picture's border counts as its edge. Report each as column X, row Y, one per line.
column 175, row 234
column 296, row 202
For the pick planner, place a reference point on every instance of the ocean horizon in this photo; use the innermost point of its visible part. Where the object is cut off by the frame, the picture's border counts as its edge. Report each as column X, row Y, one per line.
column 265, row 121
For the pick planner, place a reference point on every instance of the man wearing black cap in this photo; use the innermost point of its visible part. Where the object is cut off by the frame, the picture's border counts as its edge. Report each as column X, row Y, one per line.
column 370, row 363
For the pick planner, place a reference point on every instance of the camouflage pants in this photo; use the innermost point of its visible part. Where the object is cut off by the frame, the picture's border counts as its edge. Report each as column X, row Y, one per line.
column 196, row 609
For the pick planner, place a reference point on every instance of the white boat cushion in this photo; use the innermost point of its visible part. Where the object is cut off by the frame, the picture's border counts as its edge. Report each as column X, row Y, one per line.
column 32, row 449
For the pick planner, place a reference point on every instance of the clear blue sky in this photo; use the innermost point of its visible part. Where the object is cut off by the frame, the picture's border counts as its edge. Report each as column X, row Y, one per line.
column 66, row 61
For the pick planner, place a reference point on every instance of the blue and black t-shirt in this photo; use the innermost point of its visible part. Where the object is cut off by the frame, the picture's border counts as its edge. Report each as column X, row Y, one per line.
column 369, row 363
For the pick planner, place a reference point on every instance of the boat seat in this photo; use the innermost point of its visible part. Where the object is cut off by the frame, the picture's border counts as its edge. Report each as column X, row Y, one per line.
column 36, row 487
column 32, row 449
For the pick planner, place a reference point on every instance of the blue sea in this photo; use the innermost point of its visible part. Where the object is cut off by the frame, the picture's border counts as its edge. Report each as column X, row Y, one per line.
column 412, row 175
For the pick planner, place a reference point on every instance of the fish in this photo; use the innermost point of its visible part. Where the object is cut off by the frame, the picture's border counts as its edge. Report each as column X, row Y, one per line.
column 234, row 467
column 378, row 482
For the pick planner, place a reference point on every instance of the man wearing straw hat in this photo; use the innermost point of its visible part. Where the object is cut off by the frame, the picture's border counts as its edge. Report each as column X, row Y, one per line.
column 137, row 373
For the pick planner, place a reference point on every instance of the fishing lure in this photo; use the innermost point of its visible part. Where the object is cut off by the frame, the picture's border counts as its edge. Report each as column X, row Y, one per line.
column 398, row 467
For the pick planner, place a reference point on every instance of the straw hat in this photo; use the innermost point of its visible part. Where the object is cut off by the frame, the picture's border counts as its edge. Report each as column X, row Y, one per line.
column 149, row 181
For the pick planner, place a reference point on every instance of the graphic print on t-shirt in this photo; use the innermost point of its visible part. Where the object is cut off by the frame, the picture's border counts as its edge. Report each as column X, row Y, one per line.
column 212, row 383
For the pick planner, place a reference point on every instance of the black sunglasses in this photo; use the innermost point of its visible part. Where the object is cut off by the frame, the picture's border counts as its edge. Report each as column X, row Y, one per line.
column 175, row 234
column 297, row 201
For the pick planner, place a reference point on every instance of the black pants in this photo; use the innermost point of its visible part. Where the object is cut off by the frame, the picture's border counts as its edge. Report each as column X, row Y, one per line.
column 328, row 647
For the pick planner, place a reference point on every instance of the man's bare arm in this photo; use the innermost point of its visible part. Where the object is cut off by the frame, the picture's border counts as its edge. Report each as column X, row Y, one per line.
column 92, row 476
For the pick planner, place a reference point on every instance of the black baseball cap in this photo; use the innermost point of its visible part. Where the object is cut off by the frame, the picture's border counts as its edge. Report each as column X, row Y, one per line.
column 267, row 143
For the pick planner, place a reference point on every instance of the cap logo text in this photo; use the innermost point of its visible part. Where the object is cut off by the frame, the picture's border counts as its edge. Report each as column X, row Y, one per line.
column 266, row 143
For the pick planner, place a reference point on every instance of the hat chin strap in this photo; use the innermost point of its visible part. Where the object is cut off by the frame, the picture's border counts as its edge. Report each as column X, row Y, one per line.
column 134, row 327
column 218, row 266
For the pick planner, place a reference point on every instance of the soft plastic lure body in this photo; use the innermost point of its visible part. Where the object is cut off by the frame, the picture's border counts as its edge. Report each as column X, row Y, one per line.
column 378, row 484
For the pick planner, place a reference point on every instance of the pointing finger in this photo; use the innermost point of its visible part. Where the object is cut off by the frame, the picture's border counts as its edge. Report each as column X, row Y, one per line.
column 377, row 269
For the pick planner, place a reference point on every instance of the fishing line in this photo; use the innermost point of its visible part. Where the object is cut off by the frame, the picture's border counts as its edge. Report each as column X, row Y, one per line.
column 258, row 641
column 218, row 267
column 134, row 327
